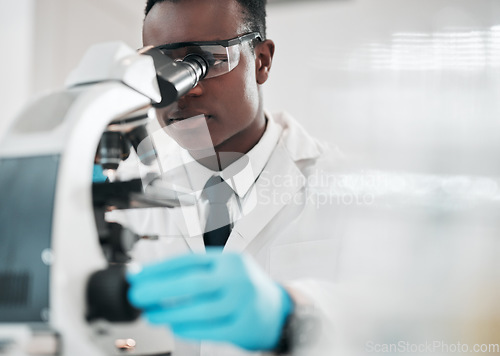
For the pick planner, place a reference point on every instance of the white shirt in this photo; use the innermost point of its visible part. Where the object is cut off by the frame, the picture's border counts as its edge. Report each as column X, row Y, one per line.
column 181, row 172
column 240, row 175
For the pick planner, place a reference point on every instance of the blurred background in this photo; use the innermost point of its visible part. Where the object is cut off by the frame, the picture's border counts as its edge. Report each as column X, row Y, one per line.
column 45, row 39
column 413, row 84
column 366, row 75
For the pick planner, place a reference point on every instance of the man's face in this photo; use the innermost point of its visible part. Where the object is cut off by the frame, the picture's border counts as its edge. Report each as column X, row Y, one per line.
column 230, row 103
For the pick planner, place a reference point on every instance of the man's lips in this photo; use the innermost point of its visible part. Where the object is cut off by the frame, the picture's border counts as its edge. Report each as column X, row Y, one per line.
column 179, row 118
column 196, row 122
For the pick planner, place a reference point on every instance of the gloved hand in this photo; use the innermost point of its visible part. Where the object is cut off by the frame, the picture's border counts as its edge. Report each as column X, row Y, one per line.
column 217, row 297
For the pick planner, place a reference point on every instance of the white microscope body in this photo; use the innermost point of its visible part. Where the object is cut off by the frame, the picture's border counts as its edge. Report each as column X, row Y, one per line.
column 57, row 136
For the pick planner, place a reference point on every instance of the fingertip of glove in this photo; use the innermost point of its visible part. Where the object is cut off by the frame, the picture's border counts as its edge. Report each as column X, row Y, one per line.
column 287, row 302
column 133, row 271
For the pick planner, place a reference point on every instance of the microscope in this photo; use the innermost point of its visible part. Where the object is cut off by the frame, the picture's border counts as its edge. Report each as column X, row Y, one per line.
column 62, row 285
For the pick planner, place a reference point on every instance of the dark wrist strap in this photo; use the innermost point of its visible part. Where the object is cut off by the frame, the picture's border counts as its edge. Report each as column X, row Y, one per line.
column 284, row 346
column 301, row 329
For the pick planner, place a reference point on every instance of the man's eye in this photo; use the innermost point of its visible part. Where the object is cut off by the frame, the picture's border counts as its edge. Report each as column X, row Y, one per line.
column 175, row 55
column 218, row 60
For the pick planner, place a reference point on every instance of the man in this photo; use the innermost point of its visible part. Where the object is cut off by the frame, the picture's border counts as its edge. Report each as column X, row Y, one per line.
column 250, row 296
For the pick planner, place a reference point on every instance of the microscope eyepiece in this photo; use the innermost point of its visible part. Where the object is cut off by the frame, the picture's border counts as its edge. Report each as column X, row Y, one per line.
column 177, row 77
column 199, row 65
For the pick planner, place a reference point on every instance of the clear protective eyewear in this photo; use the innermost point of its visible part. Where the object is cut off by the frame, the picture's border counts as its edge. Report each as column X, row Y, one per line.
column 222, row 56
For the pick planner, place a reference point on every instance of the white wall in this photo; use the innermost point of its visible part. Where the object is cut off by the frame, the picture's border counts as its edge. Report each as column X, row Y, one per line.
column 410, row 84
column 67, row 28
column 46, row 39
column 16, row 40
column 404, row 80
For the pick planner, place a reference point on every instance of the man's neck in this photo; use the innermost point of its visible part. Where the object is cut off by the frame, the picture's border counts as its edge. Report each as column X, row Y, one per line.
column 229, row 151
column 217, row 162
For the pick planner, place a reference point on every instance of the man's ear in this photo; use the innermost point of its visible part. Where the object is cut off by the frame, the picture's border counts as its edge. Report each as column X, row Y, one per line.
column 264, row 52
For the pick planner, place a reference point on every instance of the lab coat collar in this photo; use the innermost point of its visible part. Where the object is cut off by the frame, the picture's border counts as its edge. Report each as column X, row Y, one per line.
column 294, row 145
column 296, row 140
column 265, row 206
column 241, row 174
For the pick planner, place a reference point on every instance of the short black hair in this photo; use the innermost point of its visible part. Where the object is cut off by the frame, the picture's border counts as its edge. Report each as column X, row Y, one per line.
column 254, row 13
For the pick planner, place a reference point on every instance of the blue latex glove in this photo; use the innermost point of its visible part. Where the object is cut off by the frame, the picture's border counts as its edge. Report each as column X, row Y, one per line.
column 217, row 297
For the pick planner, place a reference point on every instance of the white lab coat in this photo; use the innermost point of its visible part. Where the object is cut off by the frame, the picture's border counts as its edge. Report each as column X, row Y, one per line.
column 358, row 256
column 292, row 237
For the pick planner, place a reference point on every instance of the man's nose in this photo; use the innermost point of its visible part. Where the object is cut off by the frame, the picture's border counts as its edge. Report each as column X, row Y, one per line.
column 196, row 91
column 192, row 93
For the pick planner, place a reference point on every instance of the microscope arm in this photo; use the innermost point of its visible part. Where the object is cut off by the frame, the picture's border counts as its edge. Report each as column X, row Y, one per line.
column 112, row 83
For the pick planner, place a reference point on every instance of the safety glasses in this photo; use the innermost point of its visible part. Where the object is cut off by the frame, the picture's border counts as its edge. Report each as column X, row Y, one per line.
column 222, row 56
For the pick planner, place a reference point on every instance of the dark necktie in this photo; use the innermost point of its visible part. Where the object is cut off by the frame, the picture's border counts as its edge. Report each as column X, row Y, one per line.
column 218, row 225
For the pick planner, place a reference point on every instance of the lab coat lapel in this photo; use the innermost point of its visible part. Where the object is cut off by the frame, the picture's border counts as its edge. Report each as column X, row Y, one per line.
column 274, row 189
column 188, row 223
column 270, row 195
column 187, row 218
